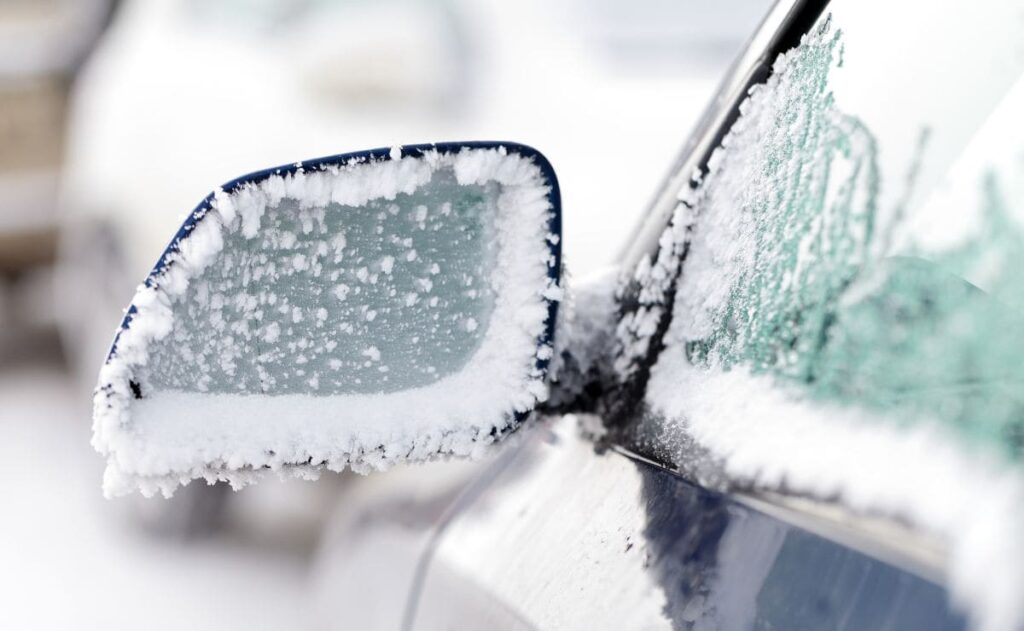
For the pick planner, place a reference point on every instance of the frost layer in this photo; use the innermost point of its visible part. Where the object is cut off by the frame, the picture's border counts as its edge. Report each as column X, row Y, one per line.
column 273, row 336
column 803, row 356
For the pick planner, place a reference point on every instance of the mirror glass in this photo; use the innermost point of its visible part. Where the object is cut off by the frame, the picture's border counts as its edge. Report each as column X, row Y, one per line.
column 339, row 299
column 353, row 311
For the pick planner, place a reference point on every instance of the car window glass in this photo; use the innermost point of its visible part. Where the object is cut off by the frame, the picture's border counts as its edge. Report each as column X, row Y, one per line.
column 847, row 317
column 826, row 277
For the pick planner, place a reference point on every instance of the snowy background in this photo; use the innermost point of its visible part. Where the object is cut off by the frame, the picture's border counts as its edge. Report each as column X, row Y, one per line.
column 116, row 119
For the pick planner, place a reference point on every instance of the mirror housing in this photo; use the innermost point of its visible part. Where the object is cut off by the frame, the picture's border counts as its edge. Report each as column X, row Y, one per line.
column 353, row 311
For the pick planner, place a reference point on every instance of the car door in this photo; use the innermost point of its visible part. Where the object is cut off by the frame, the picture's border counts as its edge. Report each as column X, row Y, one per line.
column 688, row 515
column 566, row 538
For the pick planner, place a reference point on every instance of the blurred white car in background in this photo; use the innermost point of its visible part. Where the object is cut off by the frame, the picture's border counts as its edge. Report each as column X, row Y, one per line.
column 42, row 43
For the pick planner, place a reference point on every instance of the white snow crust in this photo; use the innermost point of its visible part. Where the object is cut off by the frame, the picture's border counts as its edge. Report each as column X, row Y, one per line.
column 170, row 437
column 766, row 437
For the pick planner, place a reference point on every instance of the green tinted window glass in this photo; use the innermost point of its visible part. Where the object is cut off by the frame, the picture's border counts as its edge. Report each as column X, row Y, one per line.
column 860, row 234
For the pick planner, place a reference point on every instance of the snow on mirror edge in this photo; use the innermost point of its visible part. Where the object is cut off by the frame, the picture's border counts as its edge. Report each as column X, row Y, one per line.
column 348, row 315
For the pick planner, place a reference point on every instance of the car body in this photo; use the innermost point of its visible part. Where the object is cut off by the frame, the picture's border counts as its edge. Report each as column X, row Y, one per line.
column 623, row 505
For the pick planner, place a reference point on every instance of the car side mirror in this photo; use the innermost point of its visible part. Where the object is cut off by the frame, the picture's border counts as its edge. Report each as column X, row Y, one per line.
column 352, row 311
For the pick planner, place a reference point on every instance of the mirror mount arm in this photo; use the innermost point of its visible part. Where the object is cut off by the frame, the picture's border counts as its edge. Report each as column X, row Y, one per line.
column 582, row 371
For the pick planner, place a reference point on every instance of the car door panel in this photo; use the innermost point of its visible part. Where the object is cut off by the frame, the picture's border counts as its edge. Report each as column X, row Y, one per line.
column 564, row 537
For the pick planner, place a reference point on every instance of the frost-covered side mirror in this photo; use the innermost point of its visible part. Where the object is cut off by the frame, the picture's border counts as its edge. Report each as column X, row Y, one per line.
column 352, row 311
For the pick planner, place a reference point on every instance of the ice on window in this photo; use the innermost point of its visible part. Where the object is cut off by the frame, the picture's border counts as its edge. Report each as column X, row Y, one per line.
column 824, row 341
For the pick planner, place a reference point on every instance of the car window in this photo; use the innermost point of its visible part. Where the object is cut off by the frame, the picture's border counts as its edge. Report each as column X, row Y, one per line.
column 842, row 282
